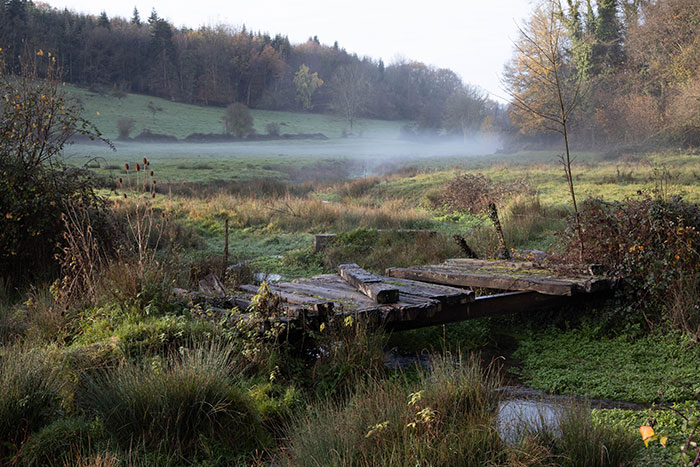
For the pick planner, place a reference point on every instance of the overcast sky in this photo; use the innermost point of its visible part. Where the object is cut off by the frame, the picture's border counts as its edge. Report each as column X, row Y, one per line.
column 472, row 37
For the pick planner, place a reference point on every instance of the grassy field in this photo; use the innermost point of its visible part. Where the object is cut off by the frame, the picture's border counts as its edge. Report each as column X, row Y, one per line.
column 181, row 120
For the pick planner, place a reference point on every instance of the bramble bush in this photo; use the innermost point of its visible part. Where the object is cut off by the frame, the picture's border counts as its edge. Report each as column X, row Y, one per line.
column 654, row 244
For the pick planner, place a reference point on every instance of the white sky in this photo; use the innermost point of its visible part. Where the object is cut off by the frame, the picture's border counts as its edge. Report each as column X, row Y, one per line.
column 472, row 37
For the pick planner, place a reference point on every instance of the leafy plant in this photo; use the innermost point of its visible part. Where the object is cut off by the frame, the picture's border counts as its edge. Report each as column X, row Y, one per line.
column 688, row 441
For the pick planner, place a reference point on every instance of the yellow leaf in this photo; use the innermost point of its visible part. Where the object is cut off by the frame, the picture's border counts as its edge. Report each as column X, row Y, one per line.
column 663, row 440
column 647, row 433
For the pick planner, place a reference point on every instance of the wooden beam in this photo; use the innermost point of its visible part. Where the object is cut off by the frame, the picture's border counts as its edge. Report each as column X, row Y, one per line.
column 369, row 284
column 488, row 305
column 319, row 306
column 466, row 278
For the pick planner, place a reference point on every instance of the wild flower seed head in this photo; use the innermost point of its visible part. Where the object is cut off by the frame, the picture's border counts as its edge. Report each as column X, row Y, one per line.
column 154, row 182
column 145, row 161
column 126, row 166
column 124, row 195
column 120, row 180
column 151, row 173
column 153, row 195
column 138, row 167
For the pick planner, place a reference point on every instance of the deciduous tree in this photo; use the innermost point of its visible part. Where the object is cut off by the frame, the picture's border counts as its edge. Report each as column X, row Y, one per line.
column 306, row 85
column 350, row 92
column 465, row 111
column 543, row 85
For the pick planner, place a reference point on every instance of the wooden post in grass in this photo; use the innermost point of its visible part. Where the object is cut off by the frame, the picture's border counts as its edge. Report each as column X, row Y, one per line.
column 502, row 247
column 223, row 272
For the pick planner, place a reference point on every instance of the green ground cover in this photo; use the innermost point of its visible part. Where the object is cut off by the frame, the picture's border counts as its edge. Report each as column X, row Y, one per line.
column 661, row 367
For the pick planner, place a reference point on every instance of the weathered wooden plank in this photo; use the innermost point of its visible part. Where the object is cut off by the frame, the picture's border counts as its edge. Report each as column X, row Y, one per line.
column 446, row 294
column 369, row 284
column 584, row 283
column 346, row 298
column 465, row 278
column 477, row 263
column 315, row 304
column 211, row 285
column 489, row 305
column 407, row 306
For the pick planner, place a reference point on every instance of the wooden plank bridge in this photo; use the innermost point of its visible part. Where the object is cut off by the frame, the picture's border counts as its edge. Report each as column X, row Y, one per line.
column 409, row 298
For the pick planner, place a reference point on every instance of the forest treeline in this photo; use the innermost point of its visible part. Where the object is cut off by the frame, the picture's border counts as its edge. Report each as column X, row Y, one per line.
column 221, row 64
column 636, row 64
column 631, row 67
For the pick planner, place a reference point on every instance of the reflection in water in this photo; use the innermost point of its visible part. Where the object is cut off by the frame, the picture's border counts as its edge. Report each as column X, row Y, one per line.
column 514, row 414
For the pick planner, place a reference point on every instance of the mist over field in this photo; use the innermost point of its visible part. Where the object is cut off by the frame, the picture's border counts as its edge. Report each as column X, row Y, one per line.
column 367, row 154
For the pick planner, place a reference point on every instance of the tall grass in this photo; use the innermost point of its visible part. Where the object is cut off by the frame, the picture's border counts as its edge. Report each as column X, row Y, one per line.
column 30, row 395
column 447, row 418
column 583, row 443
column 181, row 404
column 350, row 355
column 377, row 251
column 296, row 214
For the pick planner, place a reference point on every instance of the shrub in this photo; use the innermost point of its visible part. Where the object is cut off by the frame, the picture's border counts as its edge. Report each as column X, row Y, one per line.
column 180, row 404
column 238, row 120
column 124, row 127
column 30, row 395
column 273, row 129
column 654, row 243
column 472, row 193
column 37, row 120
column 527, row 224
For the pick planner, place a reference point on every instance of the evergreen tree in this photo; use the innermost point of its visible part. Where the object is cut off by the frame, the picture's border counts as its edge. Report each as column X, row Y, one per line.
column 103, row 20
column 136, row 17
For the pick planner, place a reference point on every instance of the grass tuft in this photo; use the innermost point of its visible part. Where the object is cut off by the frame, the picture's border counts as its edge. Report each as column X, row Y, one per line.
column 30, row 395
column 182, row 403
